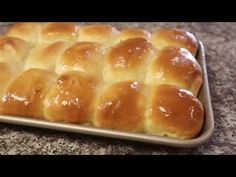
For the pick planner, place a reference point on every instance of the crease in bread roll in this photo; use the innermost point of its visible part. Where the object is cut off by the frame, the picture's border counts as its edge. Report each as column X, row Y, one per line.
column 86, row 57
column 133, row 33
column 27, row 31
column 103, row 34
column 59, row 31
column 176, row 66
column 8, row 72
column 121, row 106
column 128, row 60
column 25, row 95
column 45, row 56
column 13, row 50
column 173, row 112
column 72, row 98
column 174, row 37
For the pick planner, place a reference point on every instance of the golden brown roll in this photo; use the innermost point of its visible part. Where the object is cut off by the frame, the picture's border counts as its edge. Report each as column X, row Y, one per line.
column 45, row 56
column 13, row 50
column 121, row 106
column 103, row 34
column 128, row 60
column 173, row 112
column 176, row 66
column 82, row 56
column 25, row 94
column 72, row 98
column 27, row 31
column 54, row 32
column 8, row 72
column 174, row 37
column 133, row 33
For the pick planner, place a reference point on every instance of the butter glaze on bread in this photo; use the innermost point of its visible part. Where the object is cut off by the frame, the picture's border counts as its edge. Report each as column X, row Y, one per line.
column 174, row 37
column 173, row 112
column 67, row 101
column 82, row 56
column 54, row 32
column 8, row 72
column 176, row 66
column 133, row 33
column 25, row 95
column 121, row 106
column 102, row 34
column 96, row 75
column 128, row 60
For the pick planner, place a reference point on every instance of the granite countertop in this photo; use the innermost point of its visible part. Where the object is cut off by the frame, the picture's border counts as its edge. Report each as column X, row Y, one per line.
column 220, row 43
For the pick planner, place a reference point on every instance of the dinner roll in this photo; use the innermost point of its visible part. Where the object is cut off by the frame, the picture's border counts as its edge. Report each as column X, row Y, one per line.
column 25, row 94
column 128, row 60
column 86, row 57
column 72, row 98
column 58, row 31
column 133, row 33
column 45, row 56
column 27, row 31
column 174, row 37
column 13, row 50
column 100, row 33
column 176, row 66
column 121, row 106
column 173, row 112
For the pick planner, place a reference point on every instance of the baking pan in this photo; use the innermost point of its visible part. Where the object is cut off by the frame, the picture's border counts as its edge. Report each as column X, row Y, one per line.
column 205, row 134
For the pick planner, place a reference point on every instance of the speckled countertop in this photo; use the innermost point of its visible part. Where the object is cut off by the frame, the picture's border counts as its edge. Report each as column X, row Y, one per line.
column 220, row 43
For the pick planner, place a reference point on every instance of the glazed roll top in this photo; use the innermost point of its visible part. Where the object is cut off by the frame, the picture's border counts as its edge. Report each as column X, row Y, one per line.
column 72, row 98
column 128, row 60
column 121, row 106
column 176, row 66
column 102, row 34
column 25, row 95
column 133, row 33
column 54, row 32
column 174, row 37
column 173, row 112
column 86, row 57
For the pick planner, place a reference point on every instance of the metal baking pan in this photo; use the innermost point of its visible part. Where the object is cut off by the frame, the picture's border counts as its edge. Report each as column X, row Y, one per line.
column 205, row 134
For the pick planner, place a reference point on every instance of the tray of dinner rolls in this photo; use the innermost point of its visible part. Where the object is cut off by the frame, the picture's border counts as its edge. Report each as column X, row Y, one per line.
column 129, row 84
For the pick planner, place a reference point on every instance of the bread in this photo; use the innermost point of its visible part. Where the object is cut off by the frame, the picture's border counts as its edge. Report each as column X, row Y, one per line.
column 67, row 101
column 176, row 66
column 27, row 31
column 13, row 50
column 25, row 94
column 8, row 72
column 54, row 32
column 174, row 37
column 173, row 112
column 121, row 106
column 82, row 56
column 128, row 60
column 45, row 56
column 102, row 34
column 95, row 75
column 133, row 33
